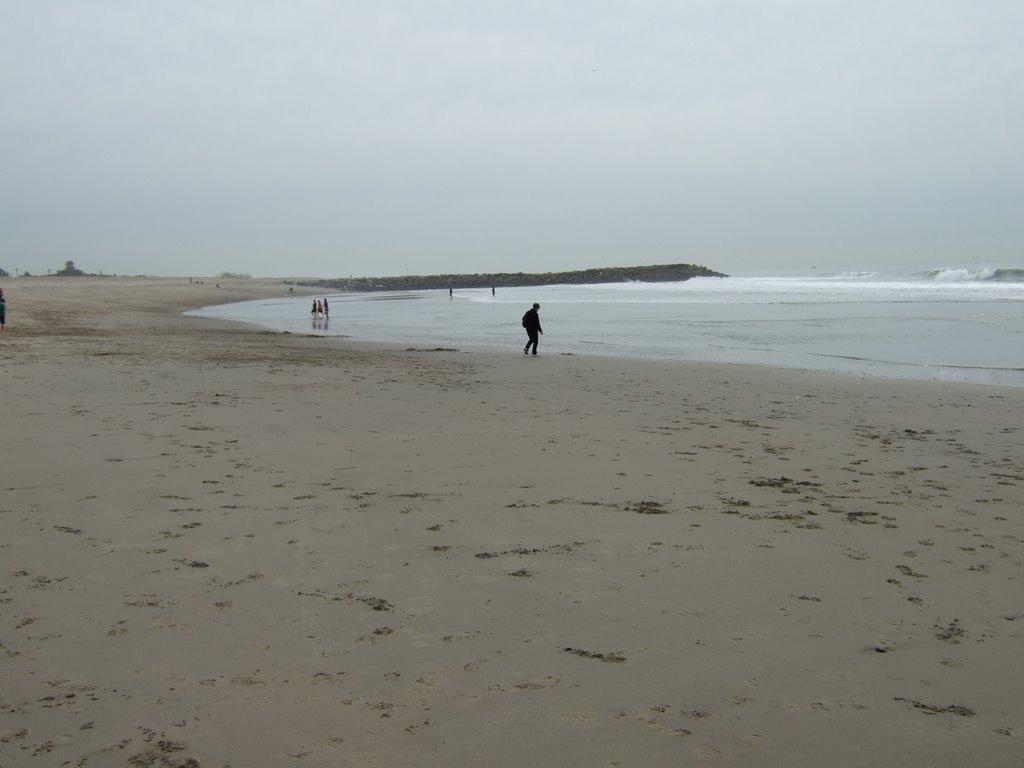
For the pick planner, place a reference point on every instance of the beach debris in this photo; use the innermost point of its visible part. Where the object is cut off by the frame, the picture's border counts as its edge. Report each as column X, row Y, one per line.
column 377, row 603
column 578, row 502
column 647, row 507
column 226, row 583
column 791, row 516
column 554, row 548
column 522, row 573
column 934, row 709
column 906, row 570
column 731, row 502
column 785, row 484
column 68, row 529
column 191, row 563
column 861, row 517
column 951, row 633
column 613, row 656
column 157, row 756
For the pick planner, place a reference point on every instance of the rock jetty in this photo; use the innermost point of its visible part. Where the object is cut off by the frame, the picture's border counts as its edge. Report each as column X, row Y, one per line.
column 654, row 273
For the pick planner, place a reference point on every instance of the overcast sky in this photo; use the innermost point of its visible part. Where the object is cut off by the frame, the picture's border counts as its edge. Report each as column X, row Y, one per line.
column 335, row 138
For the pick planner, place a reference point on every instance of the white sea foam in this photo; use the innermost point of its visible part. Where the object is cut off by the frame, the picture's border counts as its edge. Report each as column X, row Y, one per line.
column 962, row 275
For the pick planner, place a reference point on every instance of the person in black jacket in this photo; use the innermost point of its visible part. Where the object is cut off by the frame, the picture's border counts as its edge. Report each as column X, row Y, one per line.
column 531, row 322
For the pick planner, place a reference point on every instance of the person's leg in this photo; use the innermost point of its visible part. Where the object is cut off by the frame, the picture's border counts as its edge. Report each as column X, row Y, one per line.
column 535, row 340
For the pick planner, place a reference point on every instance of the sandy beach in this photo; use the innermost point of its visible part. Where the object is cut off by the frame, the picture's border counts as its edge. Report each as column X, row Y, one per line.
column 221, row 546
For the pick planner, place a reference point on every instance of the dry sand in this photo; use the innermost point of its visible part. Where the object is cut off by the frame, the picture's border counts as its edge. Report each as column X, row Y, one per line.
column 227, row 547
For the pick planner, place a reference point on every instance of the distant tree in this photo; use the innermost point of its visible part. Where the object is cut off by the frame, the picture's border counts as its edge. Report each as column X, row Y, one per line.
column 235, row 275
column 69, row 270
column 4, row 272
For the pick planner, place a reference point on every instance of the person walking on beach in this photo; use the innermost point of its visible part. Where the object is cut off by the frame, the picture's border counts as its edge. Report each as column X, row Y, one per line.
column 315, row 309
column 327, row 309
column 531, row 322
column 3, row 312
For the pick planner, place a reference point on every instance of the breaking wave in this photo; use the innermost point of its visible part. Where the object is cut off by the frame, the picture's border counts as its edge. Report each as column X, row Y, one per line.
column 943, row 275
column 971, row 275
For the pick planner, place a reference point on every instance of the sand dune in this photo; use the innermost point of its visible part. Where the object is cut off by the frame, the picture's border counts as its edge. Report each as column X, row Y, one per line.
column 227, row 547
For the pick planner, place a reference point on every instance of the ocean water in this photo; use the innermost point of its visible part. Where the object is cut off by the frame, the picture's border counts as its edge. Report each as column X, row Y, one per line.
column 954, row 325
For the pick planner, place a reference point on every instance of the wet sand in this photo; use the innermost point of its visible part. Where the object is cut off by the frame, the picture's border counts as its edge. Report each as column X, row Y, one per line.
column 226, row 547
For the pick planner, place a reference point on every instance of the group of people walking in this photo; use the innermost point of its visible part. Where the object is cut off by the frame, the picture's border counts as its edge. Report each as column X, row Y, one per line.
column 320, row 309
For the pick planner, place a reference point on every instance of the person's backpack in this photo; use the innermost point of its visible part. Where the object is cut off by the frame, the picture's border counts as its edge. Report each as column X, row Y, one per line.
column 524, row 319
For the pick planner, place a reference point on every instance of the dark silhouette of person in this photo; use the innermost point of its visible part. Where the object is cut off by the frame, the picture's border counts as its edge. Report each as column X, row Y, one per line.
column 531, row 322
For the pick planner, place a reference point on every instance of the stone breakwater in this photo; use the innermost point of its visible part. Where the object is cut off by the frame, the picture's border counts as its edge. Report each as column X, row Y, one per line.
column 655, row 273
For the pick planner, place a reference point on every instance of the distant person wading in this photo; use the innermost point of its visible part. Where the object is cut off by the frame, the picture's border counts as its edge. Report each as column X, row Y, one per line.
column 531, row 322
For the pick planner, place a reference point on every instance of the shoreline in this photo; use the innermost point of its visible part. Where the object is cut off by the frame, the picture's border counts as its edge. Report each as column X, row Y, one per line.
column 233, row 546
column 483, row 348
